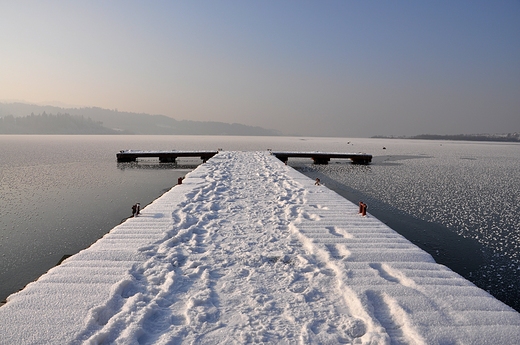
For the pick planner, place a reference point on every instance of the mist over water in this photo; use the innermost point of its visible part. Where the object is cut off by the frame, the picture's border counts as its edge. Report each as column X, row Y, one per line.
column 457, row 200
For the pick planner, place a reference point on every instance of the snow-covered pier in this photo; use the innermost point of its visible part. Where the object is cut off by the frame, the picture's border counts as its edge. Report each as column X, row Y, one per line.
column 248, row 250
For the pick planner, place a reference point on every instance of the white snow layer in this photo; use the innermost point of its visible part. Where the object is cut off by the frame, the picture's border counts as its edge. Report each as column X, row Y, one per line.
column 248, row 250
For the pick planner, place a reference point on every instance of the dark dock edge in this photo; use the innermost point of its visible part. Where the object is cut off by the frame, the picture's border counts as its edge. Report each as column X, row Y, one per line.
column 324, row 157
column 163, row 156
column 171, row 156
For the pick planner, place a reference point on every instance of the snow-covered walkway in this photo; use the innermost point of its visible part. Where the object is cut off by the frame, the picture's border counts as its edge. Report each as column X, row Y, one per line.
column 247, row 250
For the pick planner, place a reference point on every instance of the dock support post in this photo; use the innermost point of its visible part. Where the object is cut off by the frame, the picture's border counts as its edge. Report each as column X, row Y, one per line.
column 126, row 159
column 167, row 159
column 321, row 160
column 283, row 158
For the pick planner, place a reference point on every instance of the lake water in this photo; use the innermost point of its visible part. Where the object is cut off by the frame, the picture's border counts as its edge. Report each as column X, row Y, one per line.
column 456, row 200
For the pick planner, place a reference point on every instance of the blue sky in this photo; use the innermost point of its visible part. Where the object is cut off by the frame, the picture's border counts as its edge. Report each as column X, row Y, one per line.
column 321, row 68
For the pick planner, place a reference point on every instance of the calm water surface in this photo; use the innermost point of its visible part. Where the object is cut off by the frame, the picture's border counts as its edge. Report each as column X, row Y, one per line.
column 457, row 200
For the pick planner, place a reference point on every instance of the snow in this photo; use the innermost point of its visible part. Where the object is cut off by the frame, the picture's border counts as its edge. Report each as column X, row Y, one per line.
column 248, row 250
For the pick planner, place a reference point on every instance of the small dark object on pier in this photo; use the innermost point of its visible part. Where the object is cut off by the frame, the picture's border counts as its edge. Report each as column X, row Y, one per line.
column 363, row 208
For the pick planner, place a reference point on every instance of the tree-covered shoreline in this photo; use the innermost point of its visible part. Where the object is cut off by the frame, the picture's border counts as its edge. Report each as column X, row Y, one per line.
column 53, row 124
column 118, row 122
column 507, row 137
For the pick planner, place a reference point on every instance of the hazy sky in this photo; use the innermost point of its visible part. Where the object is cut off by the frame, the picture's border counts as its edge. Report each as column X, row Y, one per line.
column 333, row 68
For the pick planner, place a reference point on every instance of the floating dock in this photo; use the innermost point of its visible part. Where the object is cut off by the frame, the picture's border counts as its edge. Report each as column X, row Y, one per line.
column 171, row 156
column 324, row 157
column 163, row 156
column 248, row 250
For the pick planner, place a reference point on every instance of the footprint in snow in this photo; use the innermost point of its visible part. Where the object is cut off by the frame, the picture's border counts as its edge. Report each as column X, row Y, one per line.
column 311, row 216
column 320, row 207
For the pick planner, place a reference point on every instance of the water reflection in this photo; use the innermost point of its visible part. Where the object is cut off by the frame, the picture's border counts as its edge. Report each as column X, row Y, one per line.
column 395, row 160
column 346, row 165
column 155, row 166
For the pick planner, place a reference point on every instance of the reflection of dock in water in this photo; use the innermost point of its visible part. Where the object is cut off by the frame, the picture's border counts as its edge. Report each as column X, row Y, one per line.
column 154, row 165
column 163, row 156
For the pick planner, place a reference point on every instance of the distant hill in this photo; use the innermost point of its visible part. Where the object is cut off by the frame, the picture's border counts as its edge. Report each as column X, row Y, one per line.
column 134, row 123
column 52, row 124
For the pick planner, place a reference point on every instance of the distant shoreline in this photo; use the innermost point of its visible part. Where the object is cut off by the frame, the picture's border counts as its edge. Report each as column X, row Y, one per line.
column 508, row 137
